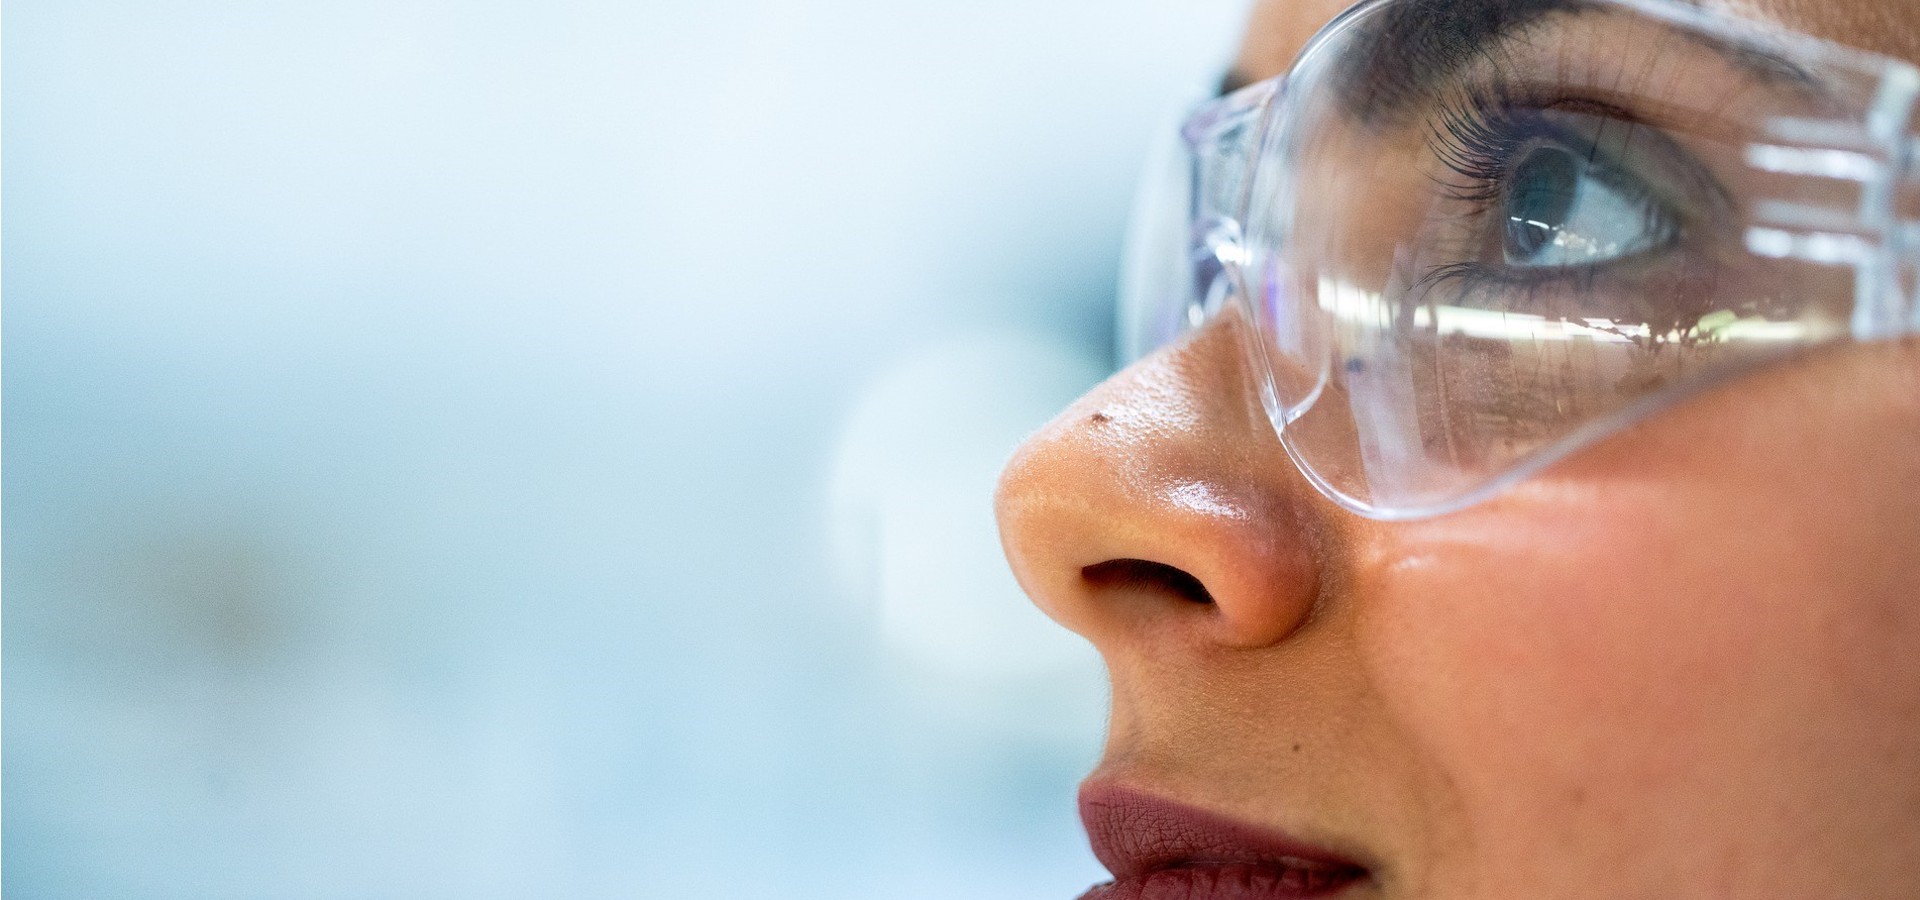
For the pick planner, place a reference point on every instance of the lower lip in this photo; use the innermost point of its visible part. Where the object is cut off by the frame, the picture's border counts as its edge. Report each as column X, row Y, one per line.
column 1235, row 881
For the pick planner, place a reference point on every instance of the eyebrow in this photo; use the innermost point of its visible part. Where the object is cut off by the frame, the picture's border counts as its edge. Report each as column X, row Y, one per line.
column 1416, row 43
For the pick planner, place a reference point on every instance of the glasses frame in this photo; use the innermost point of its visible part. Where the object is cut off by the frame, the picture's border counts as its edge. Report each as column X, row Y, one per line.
column 1213, row 174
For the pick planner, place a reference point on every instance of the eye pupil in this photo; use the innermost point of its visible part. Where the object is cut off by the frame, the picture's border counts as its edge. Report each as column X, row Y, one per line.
column 1540, row 196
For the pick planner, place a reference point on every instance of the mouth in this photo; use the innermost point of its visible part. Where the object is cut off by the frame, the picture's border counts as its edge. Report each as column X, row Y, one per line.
column 1159, row 850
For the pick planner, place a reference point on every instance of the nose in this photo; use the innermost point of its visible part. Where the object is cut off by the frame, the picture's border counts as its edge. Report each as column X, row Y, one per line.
column 1161, row 506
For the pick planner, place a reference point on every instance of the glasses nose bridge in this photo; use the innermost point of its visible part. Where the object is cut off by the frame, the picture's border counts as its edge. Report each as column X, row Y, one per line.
column 1223, row 139
column 1214, row 261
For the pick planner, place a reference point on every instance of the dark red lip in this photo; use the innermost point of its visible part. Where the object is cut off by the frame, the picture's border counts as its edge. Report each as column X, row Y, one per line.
column 1156, row 848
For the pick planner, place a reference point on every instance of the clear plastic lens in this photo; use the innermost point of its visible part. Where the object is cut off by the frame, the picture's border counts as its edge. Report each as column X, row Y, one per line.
column 1464, row 262
column 1155, row 278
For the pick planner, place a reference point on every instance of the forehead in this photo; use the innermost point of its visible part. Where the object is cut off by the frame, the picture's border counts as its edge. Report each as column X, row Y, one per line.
column 1279, row 28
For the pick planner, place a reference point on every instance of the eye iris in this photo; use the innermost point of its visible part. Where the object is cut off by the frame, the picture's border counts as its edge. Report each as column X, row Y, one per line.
column 1541, row 195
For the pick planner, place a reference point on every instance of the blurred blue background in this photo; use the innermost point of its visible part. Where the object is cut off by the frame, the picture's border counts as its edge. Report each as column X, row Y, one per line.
column 511, row 449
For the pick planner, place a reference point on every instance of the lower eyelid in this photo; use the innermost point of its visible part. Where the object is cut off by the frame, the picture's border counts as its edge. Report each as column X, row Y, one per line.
column 1621, row 292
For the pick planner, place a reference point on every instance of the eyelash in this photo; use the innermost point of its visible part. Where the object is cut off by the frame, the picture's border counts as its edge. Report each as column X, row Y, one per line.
column 1477, row 139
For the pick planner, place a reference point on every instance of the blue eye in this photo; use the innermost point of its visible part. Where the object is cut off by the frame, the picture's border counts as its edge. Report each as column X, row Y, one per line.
column 1560, row 210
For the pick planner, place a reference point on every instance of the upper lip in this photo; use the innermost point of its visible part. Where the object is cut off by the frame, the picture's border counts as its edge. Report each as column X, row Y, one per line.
column 1134, row 833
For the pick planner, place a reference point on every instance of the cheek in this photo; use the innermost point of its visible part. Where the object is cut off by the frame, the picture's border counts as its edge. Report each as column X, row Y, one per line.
column 1666, row 673
column 1560, row 645
column 1584, row 684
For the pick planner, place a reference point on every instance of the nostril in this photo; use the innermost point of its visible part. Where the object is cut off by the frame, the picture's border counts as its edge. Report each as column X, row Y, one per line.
column 1141, row 573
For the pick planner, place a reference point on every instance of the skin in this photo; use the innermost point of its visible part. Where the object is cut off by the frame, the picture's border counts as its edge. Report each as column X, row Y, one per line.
column 1683, row 662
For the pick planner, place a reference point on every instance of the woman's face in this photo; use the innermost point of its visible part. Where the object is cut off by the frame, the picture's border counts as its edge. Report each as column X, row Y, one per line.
column 1684, row 662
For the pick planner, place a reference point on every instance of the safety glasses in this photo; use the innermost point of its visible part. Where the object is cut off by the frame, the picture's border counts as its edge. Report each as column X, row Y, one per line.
column 1473, row 236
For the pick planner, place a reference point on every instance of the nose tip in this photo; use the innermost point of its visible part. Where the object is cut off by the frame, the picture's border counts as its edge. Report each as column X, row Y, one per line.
column 1162, row 505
